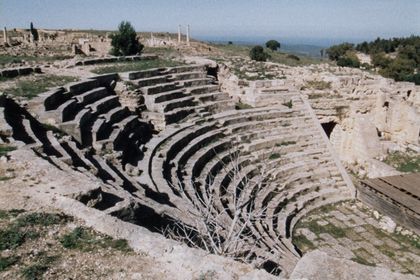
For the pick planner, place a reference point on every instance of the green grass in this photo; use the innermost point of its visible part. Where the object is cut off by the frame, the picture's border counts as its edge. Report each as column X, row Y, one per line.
column 285, row 143
column 11, row 238
column 4, row 214
column 362, row 260
column 136, row 66
column 42, row 219
column 274, row 156
column 242, row 106
column 303, row 243
column 4, row 149
column 30, row 88
column 404, row 162
column 17, row 232
column 7, row 262
column 6, row 59
column 290, row 60
column 82, row 239
column 36, row 270
column 276, row 56
column 318, row 85
column 329, row 228
column 288, row 104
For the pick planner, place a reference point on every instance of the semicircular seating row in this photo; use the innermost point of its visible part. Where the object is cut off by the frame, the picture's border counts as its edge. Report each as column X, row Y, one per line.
column 274, row 156
column 207, row 156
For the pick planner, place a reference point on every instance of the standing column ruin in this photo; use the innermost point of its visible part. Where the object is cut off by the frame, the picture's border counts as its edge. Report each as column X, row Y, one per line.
column 6, row 41
column 188, row 34
column 179, row 34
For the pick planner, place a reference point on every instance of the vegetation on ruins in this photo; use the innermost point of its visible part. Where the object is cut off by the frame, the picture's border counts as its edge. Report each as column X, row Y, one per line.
column 125, row 41
column 4, row 149
column 257, row 53
column 135, row 66
column 6, row 59
column 30, row 87
column 402, row 65
column 242, row 106
column 317, row 85
column 404, row 162
column 20, row 230
column 210, row 230
column 273, row 45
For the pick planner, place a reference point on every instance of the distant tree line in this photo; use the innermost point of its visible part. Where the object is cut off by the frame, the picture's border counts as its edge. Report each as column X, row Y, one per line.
column 403, row 65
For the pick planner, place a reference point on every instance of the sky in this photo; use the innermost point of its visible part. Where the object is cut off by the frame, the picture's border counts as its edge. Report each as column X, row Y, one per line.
column 293, row 20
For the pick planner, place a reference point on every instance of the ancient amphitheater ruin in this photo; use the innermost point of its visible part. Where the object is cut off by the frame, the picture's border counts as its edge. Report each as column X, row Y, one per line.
column 184, row 160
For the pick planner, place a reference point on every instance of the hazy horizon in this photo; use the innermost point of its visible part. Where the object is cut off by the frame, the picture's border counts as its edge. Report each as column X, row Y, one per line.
column 320, row 23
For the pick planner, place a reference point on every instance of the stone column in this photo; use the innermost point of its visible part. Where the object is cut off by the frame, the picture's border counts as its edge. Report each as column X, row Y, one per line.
column 179, row 34
column 188, row 34
column 6, row 41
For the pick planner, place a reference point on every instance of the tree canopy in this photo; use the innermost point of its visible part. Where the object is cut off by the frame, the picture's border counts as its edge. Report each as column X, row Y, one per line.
column 272, row 45
column 403, row 65
column 125, row 41
column 257, row 53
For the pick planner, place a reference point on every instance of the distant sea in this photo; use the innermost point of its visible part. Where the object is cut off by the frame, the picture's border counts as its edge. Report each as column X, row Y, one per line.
column 303, row 46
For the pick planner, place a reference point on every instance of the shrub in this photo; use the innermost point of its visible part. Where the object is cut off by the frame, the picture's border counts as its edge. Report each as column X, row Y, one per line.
column 257, row 53
column 11, row 238
column 43, row 219
column 125, row 42
column 337, row 51
column 242, row 106
column 294, row 57
column 273, row 45
column 7, row 261
column 349, row 60
column 380, row 60
column 288, row 104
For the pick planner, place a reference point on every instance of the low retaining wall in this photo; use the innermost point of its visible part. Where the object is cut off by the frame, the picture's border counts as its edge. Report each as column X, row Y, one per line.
column 99, row 60
column 19, row 71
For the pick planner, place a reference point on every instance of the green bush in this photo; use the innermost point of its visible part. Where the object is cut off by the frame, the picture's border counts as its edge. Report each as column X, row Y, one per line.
column 273, row 45
column 380, row 60
column 11, row 238
column 349, row 60
column 125, row 42
column 337, row 51
column 7, row 261
column 43, row 219
column 257, row 53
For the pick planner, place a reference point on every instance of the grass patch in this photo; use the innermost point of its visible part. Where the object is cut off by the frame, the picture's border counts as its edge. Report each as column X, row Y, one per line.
column 136, row 66
column 318, row 85
column 11, row 213
column 11, row 237
column 285, row 143
column 82, row 239
column 274, row 156
column 42, row 219
column 288, row 104
column 7, row 262
column 4, row 149
column 362, row 260
column 30, row 88
column 303, row 243
column 242, row 106
column 360, row 257
column 6, row 59
column 16, row 233
column 404, row 162
column 329, row 228
column 37, row 269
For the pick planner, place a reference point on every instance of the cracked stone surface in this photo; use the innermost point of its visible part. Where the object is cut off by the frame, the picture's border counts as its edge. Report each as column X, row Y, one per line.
column 351, row 231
